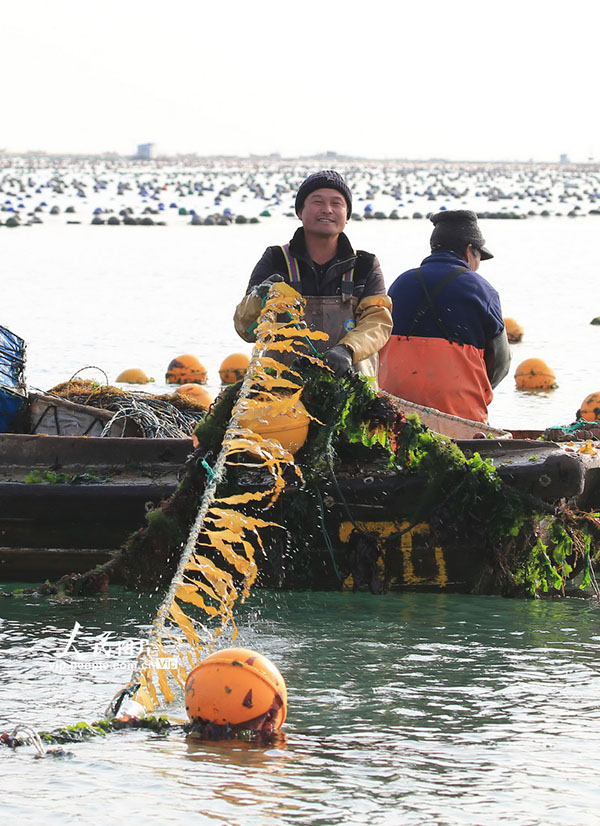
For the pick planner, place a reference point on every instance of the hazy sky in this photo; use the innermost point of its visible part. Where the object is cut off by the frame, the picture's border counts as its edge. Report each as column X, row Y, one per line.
column 461, row 79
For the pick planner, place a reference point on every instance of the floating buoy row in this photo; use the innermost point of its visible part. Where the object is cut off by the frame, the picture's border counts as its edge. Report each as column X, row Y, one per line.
column 190, row 374
column 188, row 369
column 534, row 374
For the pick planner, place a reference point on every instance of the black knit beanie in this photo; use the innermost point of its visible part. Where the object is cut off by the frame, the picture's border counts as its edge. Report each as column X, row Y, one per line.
column 325, row 179
column 455, row 229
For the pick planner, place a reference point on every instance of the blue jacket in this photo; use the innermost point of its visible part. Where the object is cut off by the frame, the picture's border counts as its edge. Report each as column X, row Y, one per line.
column 468, row 306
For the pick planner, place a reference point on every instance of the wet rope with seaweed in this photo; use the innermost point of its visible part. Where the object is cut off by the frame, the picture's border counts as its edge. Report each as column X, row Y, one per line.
column 229, row 527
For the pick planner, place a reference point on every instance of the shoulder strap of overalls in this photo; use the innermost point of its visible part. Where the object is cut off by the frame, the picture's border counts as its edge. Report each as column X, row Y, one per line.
column 348, row 282
column 428, row 303
column 291, row 264
column 294, row 273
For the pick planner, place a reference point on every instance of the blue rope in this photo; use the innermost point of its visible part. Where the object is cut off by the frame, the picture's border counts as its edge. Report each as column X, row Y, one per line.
column 209, row 471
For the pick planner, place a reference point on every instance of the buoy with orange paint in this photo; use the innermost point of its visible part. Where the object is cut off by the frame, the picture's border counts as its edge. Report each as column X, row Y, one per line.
column 133, row 376
column 186, row 369
column 590, row 408
column 197, row 392
column 514, row 331
column 534, row 374
column 288, row 427
column 237, row 687
column 234, row 368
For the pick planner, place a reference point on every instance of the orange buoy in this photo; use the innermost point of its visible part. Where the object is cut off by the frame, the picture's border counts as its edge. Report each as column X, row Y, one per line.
column 133, row 376
column 234, row 368
column 514, row 331
column 534, row 374
column 237, row 687
column 186, row 369
column 289, row 428
column 590, row 408
column 196, row 392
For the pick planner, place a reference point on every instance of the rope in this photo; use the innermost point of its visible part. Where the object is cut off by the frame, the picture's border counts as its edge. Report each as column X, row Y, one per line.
column 326, row 536
column 31, row 736
column 261, row 347
column 580, row 424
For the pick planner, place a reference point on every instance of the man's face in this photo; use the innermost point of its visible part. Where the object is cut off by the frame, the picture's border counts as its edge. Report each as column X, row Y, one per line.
column 324, row 212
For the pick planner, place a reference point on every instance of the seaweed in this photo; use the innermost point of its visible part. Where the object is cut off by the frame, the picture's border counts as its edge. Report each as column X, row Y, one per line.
column 532, row 548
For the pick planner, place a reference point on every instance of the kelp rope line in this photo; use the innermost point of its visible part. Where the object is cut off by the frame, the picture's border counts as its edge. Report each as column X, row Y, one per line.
column 220, row 524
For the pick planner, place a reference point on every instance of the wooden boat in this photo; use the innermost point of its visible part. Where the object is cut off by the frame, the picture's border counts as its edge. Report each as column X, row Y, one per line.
column 67, row 502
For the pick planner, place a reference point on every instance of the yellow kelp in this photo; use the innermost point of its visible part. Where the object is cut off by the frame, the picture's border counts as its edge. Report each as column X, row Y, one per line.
column 222, row 534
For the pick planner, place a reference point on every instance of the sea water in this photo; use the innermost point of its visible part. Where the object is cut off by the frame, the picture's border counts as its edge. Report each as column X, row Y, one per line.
column 114, row 297
column 403, row 708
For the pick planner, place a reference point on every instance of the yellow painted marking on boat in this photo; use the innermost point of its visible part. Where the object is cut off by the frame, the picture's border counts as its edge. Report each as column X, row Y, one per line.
column 385, row 529
column 442, row 577
column 380, row 528
column 406, row 544
column 348, row 583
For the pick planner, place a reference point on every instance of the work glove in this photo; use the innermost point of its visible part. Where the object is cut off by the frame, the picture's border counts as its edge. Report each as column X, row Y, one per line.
column 339, row 359
column 261, row 290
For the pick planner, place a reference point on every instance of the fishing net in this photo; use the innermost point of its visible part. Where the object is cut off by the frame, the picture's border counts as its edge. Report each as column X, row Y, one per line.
column 12, row 387
column 161, row 416
column 12, row 360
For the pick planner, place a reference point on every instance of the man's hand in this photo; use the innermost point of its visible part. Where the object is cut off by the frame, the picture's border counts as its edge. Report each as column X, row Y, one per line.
column 261, row 290
column 339, row 359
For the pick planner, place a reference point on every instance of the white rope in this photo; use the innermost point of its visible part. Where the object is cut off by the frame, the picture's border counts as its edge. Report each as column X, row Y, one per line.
column 261, row 346
column 31, row 735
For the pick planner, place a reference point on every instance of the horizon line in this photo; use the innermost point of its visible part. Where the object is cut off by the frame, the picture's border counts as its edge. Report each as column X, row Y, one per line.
column 275, row 156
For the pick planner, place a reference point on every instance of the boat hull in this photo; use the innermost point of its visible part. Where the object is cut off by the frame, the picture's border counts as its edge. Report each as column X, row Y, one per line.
column 368, row 536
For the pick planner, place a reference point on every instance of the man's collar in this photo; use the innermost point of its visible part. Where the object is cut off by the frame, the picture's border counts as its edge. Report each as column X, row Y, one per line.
column 298, row 245
column 445, row 256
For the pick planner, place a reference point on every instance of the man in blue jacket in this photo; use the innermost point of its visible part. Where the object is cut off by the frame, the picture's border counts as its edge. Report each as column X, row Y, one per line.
column 448, row 347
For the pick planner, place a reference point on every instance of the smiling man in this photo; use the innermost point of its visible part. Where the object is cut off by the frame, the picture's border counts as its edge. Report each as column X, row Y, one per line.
column 343, row 287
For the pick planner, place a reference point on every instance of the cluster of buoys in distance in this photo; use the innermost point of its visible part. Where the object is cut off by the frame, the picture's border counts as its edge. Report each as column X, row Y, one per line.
column 189, row 374
column 117, row 190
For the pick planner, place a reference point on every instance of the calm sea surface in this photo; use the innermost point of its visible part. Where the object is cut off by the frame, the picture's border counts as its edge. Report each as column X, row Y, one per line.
column 404, row 709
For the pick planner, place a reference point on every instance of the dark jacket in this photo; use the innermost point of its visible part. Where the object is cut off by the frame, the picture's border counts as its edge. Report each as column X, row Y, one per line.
column 468, row 310
column 370, row 305
column 368, row 279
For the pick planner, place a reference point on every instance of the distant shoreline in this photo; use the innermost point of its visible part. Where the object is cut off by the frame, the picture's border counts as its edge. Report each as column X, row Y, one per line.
column 321, row 160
